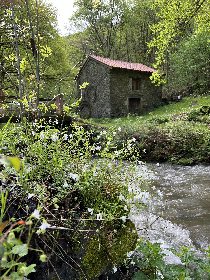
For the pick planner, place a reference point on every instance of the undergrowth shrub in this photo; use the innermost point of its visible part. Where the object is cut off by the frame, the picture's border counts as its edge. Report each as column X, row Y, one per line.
column 60, row 192
column 66, row 197
column 179, row 142
column 151, row 263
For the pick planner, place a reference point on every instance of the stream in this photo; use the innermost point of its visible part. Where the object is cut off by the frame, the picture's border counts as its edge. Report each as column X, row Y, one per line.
column 181, row 215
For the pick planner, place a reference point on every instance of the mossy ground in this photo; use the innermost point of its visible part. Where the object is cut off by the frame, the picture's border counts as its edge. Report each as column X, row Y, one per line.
column 108, row 248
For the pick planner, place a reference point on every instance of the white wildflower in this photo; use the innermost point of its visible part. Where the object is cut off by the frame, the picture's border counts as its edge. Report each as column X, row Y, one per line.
column 65, row 137
column 126, row 208
column 119, row 129
column 114, row 269
column 74, row 177
column 159, row 273
column 159, row 193
column 54, row 137
column 114, row 133
column 98, row 148
column 65, row 185
column 144, row 151
column 44, row 225
column 99, row 216
column 36, row 214
column 95, row 173
column 30, row 195
column 121, row 197
column 42, row 135
column 133, row 139
column 123, row 218
column 90, row 210
column 158, row 164
column 129, row 254
column 117, row 153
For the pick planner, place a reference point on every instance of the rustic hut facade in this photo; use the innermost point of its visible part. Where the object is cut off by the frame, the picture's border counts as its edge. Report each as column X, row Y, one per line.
column 116, row 88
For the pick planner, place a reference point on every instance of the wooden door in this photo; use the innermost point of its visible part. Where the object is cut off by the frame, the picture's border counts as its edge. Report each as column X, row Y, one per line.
column 134, row 105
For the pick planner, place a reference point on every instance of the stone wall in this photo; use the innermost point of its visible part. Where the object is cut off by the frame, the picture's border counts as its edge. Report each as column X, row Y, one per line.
column 96, row 97
column 121, row 91
column 110, row 93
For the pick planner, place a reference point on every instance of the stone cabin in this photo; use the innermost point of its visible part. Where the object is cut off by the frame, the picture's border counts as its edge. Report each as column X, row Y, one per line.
column 116, row 88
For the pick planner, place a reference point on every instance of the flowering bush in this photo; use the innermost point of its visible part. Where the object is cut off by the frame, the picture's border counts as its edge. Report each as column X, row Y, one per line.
column 60, row 192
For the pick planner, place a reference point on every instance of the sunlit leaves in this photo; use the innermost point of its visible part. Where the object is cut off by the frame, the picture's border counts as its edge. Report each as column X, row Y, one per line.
column 20, row 250
column 190, row 64
column 45, row 51
column 23, row 64
column 84, row 85
column 176, row 19
column 14, row 162
column 26, row 270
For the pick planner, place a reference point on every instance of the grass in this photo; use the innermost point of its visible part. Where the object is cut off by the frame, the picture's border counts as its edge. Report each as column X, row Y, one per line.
column 165, row 111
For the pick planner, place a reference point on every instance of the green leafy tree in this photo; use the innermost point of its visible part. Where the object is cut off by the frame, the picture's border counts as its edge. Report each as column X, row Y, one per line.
column 176, row 21
column 34, row 59
column 190, row 65
column 117, row 29
column 133, row 35
column 101, row 19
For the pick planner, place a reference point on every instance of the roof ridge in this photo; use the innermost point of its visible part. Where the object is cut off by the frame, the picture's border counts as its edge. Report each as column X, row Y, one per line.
column 123, row 64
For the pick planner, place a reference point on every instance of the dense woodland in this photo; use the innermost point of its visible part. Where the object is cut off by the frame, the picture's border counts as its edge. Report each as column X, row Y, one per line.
column 172, row 36
column 67, row 193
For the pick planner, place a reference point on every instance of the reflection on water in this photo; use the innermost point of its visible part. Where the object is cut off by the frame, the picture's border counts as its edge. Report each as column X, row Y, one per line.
column 185, row 196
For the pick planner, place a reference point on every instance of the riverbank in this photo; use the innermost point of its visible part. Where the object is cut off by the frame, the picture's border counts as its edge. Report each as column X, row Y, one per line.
column 177, row 133
column 67, row 216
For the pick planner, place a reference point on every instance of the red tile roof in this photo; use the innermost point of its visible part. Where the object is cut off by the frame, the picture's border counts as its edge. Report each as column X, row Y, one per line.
column 123, row 64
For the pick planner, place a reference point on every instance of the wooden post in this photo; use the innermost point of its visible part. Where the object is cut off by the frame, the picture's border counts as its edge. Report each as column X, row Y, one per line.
column 16, row 45
column 59, row 104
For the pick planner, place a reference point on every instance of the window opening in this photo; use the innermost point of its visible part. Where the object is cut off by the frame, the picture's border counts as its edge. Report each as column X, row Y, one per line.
column 136, row 84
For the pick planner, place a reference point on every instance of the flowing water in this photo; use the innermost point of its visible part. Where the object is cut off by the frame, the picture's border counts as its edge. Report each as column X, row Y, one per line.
column 185, row 204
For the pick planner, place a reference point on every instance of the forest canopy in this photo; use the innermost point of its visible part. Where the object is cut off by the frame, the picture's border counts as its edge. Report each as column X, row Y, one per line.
column 171, row 36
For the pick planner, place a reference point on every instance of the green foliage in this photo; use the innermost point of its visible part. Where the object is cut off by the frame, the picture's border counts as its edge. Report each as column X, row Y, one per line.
column 151, row 261
column 12, row 250
column 3, row 202
column 108, row 28
column 22, row 19
column 178, row 132
column 39, row 65
column 190, row 65
column 152, row 265
column 56, row 173
column 175, row 19
column 177, row 142
column 199, row 114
